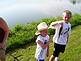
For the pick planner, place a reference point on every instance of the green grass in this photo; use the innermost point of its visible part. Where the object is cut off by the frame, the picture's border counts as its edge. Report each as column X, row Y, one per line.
column 72, row 52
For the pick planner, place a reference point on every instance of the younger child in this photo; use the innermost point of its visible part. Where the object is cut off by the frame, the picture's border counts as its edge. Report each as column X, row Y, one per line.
column 42, row 42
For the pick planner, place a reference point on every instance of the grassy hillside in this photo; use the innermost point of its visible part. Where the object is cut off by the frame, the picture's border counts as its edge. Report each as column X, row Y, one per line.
column 72, row 52
column 22, row 35
column 21, row 41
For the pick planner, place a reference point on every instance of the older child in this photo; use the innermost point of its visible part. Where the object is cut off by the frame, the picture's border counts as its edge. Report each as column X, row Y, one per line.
column 42, row 42
column 62, row 32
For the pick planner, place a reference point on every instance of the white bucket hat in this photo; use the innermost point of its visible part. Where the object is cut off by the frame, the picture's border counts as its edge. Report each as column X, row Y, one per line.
column 40, row 27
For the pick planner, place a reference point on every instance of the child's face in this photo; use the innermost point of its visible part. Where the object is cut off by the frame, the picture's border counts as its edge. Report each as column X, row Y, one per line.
column 44, row 32
column 66, row 17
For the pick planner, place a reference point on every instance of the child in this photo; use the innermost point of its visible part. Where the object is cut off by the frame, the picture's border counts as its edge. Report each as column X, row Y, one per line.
column 62, row 32
column 42, row 42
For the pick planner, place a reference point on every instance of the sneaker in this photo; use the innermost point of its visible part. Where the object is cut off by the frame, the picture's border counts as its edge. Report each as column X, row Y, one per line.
column 56, row 59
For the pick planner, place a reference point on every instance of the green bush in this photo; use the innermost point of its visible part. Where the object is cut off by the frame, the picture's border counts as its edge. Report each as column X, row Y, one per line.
column 76, row 20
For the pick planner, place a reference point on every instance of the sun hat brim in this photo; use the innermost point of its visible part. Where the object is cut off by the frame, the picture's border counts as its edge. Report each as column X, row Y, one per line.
column 38, row 31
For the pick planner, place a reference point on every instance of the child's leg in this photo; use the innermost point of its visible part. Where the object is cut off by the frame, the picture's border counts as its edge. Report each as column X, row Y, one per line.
column 56, row 52
column 51, row 58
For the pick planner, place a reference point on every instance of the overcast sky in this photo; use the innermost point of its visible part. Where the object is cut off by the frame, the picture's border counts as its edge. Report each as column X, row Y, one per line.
column 22, row 11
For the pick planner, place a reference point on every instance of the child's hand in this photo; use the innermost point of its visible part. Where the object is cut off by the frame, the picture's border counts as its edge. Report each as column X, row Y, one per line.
column 47, row 58
column 42, row 45
column 45, row 46
column 47, row 54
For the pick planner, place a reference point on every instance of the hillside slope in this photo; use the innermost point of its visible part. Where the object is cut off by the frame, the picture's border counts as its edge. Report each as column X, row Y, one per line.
column 72, row 52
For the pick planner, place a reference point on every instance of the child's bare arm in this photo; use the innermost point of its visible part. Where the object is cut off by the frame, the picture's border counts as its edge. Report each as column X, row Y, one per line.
column 41, row 44
column 47, row 54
